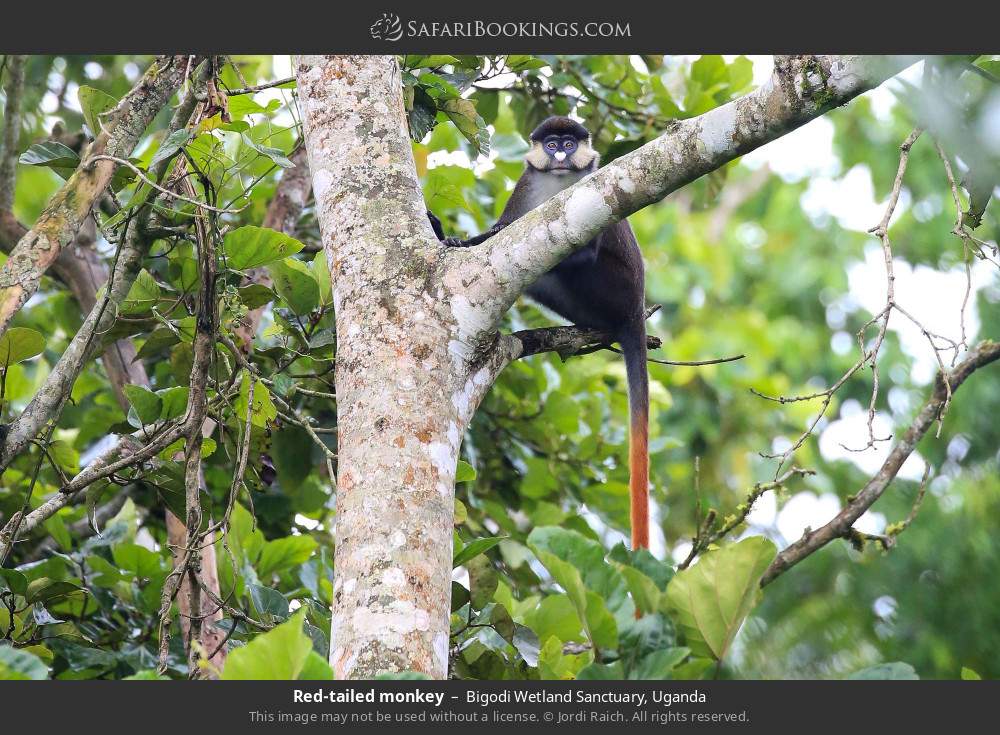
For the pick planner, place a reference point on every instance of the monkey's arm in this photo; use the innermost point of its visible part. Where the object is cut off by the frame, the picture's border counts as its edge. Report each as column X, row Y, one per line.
column 457, row 242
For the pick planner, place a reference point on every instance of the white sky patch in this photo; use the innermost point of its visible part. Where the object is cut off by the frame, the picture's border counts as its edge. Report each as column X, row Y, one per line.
column 850, row 199
column 851, row 431
column 806, row 152
column 932, row 296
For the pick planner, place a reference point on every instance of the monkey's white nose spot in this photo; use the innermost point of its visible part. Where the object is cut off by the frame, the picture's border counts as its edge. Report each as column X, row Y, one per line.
column 560, row 155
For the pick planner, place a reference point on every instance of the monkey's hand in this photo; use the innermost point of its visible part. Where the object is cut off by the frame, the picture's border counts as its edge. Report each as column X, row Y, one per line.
column 454, row 242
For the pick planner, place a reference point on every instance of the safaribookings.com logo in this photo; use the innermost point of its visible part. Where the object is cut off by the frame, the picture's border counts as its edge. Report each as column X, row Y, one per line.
column 390, row 28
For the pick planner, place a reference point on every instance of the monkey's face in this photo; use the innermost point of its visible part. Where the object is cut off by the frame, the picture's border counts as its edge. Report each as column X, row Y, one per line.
column 562, row 154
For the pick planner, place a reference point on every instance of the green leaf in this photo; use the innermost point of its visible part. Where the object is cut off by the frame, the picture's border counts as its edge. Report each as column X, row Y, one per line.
column 279, row 654
column 602, row 672
column 52, row 154
column 659, row 664
column 251, row 246
column 465, row 472
column 463, row 113
column 44, row 589
column 475, row 548
column 15, row 581
column 285, row 553
column 146, row 403
column 143, row 295
column 274, row 154
column 644, row 591
column 264, row 410
column 268, row 601
column 94, row 102
column 18, row 344
column 483, row 580
column 970, row 675
column 255, row 295
column 522, row 62
column 316, row 668
column 897, row 670
column 295, row 284
column 598, row 622
column 17, row 664
column 169, row 148
column 138, row 560
column 416, row 61
column 321, row 272
column 174, row 402
column 712, row 598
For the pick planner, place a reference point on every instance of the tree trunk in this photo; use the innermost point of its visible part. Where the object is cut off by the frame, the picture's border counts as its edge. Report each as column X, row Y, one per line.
column 404, row 396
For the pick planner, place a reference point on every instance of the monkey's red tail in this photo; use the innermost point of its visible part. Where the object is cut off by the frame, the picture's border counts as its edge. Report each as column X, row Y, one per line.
column 633, row 346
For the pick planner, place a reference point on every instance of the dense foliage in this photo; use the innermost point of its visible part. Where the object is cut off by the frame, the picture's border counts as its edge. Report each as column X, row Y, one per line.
column 745, row 261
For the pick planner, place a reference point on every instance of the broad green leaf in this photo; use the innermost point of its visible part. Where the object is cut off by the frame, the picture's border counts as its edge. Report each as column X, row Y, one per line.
column 143, row 295
column 475, row 548
column 554, row 664
column 146, row 403
column 483, row 580
column 18, row 344
column 264, row 410
column 321, row 272
column 169, row 148
column 416, row 61
column 599, row 624
column 970, row 674
column 587, row 556
column 94, row 102
column 44, row 589
column 295, row 284
column 15, row 581
column 274, row 154
column 523, row 62
column 659, row 664
column 463, row 113
column 465, row 472
column 255, row 295
column 18, row 664
column 316, row 668
column 602, row 672
column 268, row 601
column 644, row 592
column 174, row 402
column 279, row 654
column 138, row 560
column 897, row 670
column 285, row 553
column 52, row 154
column 711, row 599
column 251, row 246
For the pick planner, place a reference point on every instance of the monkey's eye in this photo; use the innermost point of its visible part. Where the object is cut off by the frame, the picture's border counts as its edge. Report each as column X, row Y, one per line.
column 551, row 145
column 569, row 145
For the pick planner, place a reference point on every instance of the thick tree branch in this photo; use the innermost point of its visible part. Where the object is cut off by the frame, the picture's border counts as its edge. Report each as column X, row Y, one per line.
column 59, row 222
column 841, row 526
column 801, row 89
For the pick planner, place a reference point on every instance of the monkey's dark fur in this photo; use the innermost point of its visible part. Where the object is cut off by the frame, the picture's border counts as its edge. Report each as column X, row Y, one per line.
column 600, row 285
